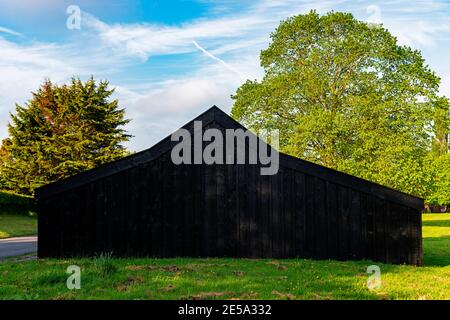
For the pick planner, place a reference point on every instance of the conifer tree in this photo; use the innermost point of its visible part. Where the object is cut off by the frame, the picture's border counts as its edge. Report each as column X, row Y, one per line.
column 62, row 131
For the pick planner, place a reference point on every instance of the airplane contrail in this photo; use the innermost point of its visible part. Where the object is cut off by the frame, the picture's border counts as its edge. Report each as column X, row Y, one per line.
column 9, row 31
column 210, row 55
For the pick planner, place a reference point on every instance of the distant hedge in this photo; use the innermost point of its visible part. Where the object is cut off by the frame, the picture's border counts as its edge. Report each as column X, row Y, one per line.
column 15, row 203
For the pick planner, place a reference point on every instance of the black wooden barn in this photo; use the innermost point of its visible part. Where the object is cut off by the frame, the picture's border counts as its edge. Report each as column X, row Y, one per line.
column 144, row 205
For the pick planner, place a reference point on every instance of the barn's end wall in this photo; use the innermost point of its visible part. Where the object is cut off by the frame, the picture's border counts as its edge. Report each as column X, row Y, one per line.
column 163, row 210
column 159, row 209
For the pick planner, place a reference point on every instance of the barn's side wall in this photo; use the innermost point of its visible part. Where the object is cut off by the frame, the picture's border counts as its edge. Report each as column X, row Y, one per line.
column 163, row 210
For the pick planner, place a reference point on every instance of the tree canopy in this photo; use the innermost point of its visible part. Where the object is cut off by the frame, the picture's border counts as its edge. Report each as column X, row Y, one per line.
column 61, row 131
column 346, row 95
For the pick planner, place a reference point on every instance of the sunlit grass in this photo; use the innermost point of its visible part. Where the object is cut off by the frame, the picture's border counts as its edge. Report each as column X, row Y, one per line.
column 16, row 217
column 16, row 225
column 436, row 239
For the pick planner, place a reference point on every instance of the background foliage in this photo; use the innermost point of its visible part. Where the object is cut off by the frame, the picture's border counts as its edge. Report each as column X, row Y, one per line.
column 345, row 95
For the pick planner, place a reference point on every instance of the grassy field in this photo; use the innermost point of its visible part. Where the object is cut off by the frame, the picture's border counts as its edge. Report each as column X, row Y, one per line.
column 16, row 216
column 17, row 225
column 105, row 278
column 436, row 239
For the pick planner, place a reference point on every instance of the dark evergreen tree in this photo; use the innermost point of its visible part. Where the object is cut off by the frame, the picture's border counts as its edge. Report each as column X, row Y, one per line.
column 62, row 131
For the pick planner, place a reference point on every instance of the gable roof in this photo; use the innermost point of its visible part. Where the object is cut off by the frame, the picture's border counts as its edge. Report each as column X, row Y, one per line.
column 215, row 115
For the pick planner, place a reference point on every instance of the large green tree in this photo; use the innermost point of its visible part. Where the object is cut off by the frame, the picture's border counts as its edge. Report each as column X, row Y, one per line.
column 346, row 95
column 439, row 158
column 440, row 188
column 440, row 144
column 61, row 131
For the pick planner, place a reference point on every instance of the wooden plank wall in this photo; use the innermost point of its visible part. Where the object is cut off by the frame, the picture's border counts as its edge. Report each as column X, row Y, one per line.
column 159, row 209
column 162, row 210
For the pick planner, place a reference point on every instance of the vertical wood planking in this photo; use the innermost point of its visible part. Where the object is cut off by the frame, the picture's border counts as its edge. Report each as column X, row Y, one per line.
column 403, row 250
column 133, row 218
column 370, row 228
column 363, row 224
column 299, row 215
column 344, row 236
column 252, row 213
column 309, row 216
column 320, row 219
column 266, row 238
column 389, row 230
column 157, row 212
column 290, row 223
column 208, row 214
column 282, row 211
column 220, row 209
column 286, row 201
column 189, row 214
column 177, row 210
column 91, row 218
column 99, row 211
column 76, row 216
column 159, row 209
column 275, row 207
column 355, row 224
column 258, row 249
column 241, row 206
column 379, row 235
column 144, row 207
column 332, row 221
column 231, row 212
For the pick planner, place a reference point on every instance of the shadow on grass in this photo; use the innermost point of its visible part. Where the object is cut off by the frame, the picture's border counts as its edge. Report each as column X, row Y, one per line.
column 436, row 223
column 436, row 251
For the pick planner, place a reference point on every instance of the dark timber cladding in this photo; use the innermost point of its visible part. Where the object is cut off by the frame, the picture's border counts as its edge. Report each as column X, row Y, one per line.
column 144, row 205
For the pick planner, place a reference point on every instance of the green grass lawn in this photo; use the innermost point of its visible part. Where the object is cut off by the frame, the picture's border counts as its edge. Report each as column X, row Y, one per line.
column 436, row 239
column 16, row 217
column 17, row 225
column 104, row 278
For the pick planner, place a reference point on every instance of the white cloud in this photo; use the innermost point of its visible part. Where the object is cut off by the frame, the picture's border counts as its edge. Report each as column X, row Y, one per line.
column 144, row 40
column 163, row 110
column 445, row 85
column 22, row 68
column 418, row 34
column 179, row 96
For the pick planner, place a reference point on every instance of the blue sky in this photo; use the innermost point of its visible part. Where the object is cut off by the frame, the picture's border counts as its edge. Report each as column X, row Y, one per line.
column 171, row 60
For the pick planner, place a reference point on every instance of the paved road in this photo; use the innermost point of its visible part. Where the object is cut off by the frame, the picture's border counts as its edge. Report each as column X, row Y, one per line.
column 17, row 246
